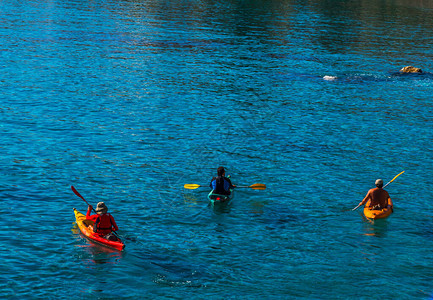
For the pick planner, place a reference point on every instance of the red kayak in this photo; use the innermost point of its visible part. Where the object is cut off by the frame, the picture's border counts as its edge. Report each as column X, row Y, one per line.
column 86, row 228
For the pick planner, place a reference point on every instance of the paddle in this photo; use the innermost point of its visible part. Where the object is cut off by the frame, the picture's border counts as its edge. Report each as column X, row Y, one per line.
column 79, row 195
column 192, row 186
column 256, row 186
column 393, row 179
column 382, row 187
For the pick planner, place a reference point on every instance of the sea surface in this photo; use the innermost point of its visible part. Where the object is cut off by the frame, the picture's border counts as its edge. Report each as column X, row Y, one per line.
column 127, row 101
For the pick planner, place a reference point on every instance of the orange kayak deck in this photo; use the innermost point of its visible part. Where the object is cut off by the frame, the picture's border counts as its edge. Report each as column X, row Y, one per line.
column 86, row 228
column 376, row 213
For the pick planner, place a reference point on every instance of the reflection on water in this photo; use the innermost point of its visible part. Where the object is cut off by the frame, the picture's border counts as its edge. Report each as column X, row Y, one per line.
column 190, row 198
column 371, row 248
column 98, row 253
column 221, row 207
column 75, row 229
column 257, row 207
column 377, row 228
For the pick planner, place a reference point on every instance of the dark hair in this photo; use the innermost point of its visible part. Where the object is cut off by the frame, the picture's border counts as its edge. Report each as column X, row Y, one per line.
column 221, row 171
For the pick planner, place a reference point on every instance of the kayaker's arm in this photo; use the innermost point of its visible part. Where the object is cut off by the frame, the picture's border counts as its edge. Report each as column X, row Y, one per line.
column 390, row 204
column 230, row 183
column 364, row 200
column 114, row 223
column 89, row 210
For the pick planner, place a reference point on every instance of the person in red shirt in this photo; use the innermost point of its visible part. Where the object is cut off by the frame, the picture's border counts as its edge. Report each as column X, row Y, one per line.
column 104, row 222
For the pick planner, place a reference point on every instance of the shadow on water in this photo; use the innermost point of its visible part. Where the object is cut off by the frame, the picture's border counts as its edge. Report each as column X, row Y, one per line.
column 279, row 217
column 177, row 273
column 422, row 226
column 170, row 269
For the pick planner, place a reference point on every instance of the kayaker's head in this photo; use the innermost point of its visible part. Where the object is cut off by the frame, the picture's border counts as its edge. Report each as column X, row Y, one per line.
column 101, row 208
column 379, row 183
column 221, row 171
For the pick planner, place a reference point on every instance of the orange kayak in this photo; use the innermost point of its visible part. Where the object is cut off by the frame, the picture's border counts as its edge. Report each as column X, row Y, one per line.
column 376, row 213
column 86, row 228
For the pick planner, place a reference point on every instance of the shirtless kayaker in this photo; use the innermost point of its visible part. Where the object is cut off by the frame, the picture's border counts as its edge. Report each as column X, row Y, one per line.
column 379, row 198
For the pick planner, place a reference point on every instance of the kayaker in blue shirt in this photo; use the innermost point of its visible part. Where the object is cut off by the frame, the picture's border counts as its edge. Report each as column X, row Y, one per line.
column 221, row 184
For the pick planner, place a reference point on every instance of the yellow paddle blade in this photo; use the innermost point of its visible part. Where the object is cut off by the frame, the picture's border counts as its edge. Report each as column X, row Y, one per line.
column 393, row 179
column 191, row 186
column 258, row 186
column 396, row 176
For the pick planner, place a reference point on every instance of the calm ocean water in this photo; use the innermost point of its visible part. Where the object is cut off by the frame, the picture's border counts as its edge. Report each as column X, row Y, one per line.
column 130, row 100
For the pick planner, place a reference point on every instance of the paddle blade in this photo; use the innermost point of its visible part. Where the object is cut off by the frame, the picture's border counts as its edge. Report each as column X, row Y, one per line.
column 258, row 186
column 393, row 179
column 396, row 176
column 79, row 195
column 255, row 186
column 191, row 186
column 76, row 192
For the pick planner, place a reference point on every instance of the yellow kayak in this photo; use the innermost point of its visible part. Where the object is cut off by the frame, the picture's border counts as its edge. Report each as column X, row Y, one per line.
column 376, row 213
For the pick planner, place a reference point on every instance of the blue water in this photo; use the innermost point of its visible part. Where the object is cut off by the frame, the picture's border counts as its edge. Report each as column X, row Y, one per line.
column 130, row 100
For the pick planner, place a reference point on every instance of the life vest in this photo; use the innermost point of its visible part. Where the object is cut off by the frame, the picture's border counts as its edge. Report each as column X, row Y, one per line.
column 219, row 188
column 103, row 224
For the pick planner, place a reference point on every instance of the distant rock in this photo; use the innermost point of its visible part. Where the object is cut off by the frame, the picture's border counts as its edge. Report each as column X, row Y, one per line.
column 410, row 69
column 327, row 77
